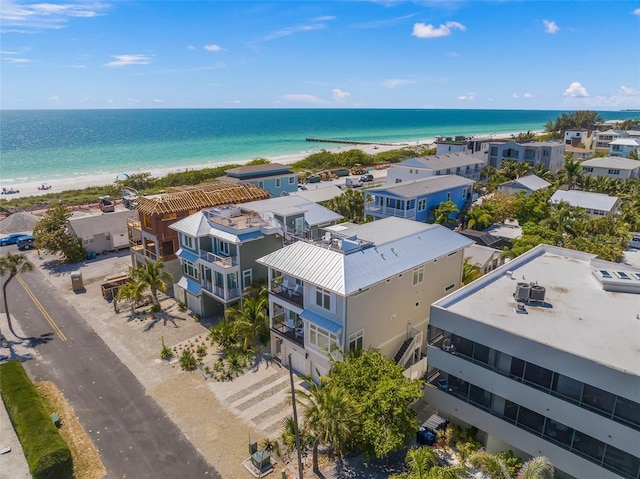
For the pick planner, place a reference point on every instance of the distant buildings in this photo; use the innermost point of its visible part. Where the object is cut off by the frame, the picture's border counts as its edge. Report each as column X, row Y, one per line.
column 575, row 138
column 541, row 355
column 416, row 200
column 614, row 167
column 594, row 204
column 360, row 287
column 462, row 164
column 624, row 147
column 546, row 153
column 528, row 184
column 277, row 179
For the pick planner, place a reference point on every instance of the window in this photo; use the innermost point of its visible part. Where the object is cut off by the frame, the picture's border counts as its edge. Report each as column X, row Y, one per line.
column 398, row 180
column 169, row 216
column 247, row 278
column 449, row 196
column 292, row 180
column 464, row 193
column 450, row 287
column 89, row 240
column 418, row 275
column 107, row 237
column 588, row 169
column 223, row 247
column 323, row 298
column 260, row 184
column 321, row 338
column 356, row 340
column 190, row 269
column 147, row 221
column 598, row 399
column 537, row 376
column 278, row 182
column 422, row 205
column 613, row 172
column 187, row 241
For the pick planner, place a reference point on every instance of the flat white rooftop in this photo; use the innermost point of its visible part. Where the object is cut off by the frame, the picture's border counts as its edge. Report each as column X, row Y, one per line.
column 577, row 316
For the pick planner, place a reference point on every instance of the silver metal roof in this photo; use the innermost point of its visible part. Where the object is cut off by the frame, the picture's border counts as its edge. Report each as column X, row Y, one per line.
column 195, row 225
column 314, row 214
column 531, row 182
column 585, row 199
column 441, row 162
column 88, row 226
column 616, row 162
column 348, row 272
column 424, row 186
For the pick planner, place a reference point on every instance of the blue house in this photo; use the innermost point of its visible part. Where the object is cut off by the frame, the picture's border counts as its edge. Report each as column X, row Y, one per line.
column 275, row 178
column 414, row 200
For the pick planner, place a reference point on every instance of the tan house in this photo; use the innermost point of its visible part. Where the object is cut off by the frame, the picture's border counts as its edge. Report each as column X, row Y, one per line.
column 103, row 233
column 360, row 287
column 150, row 236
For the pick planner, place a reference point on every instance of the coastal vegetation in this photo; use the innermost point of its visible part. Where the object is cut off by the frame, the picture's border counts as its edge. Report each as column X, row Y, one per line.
column 577, row 120
column 53, row 235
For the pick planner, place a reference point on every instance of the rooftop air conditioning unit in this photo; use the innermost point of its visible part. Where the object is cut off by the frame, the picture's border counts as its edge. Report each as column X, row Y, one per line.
column 537, row 293
column 522, row 292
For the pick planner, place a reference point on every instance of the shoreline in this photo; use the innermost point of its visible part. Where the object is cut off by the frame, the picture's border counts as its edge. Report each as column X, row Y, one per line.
column 27, row 189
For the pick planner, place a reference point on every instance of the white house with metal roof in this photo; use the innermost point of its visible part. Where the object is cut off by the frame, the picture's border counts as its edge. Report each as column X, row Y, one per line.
column 360, row 287
column 462, row 164
column 528, row 184
column 614, row 167
column 624, row 147
column 415, row 200
column 541, row 355
column 547, row 153
column 595, row 204
column 219, row 247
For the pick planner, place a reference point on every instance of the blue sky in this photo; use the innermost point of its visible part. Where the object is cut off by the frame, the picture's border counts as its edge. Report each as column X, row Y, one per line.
column 328, row 54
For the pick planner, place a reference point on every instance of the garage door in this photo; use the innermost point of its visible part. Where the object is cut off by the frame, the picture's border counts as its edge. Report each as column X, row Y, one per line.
column 297, row 363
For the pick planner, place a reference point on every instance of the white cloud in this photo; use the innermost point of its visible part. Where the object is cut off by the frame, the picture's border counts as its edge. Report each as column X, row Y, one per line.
column 326, row 18
column 158, row 100
column 636, row 11
column 394, row 82
column 190, row 47
column 77, row 66
column 303, row 98
column 527, row 95
column 468, row 97
column 213, row 48
column 453, row 54
column 515, row 95
column 21, row 17
column 123, row 60
column 17, row 60
column 550, row 27
column 54, row 98
column 285, row 32
column 234, row 102
column 576, row 90
column 422, row 30
column 133, row 101
column 625, row 97
column 340, row 95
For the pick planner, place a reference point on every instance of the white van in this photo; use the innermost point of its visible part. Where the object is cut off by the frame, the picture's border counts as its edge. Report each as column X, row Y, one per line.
column 635, row 240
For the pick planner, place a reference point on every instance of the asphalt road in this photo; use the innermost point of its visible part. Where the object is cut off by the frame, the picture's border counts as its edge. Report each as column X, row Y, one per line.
column 134, row 437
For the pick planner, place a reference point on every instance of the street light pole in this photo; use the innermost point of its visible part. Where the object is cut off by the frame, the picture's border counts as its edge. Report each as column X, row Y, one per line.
column 295, row 419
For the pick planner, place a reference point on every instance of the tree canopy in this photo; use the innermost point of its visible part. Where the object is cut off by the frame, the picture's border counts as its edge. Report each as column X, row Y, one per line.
column 581, row 119
column 53, row 235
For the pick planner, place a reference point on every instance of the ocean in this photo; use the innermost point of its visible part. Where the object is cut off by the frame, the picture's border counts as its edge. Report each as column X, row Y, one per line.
column 42, row 145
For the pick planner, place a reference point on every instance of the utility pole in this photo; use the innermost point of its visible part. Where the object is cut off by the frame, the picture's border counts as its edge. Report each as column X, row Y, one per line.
column 295, row 419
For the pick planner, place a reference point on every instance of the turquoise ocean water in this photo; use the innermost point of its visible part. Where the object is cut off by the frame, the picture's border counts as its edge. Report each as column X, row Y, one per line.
column 51, row 144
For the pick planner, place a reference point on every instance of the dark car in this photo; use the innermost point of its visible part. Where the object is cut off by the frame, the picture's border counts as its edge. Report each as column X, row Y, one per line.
column 366, row 178
column 11, row 239
column 26, row 242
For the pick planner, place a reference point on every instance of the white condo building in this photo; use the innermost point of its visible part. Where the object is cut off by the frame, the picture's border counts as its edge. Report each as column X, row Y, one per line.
column 542, row 355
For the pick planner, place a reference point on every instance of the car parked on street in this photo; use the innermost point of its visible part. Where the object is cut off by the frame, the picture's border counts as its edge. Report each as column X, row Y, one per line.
column 366, row 178
column 11, row 239
column 26, row 242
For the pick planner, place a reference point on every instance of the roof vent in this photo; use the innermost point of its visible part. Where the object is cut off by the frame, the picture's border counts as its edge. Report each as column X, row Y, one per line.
column 522, row 292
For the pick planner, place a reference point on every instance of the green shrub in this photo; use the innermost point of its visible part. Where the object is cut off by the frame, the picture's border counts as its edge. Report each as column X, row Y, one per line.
column 47, row 454
column 166, row 352
column 188, row 360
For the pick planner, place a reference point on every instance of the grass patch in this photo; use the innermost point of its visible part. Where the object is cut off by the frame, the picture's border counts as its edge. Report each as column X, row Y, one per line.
column 86, row 460
column 47, row 454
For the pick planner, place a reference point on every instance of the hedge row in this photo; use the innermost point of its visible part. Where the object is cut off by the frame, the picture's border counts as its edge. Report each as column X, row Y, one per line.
column 48, row 455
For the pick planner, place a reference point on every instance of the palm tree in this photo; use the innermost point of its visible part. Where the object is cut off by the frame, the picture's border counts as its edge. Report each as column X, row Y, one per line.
column 130, row 291
column 479, row 218
column 470, row 272
column 12, row 264
column 250, row 320
column 329, row 416
column 571, row 173
column 153, row 277
column 537, row 468
column 223, row 334
column 493, row 464
column 421, row 464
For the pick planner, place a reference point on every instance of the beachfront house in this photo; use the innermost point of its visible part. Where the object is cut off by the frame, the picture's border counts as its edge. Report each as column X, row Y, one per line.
column 547, row 153
column 578, row 153
column 451, row 144
column 578, row 137
column 219, row 247
column 624, row 147
column 525, row 184
column 603, row 139
column 614, row 167
column 150, row 236
column 277, row 179
column 360, row 287
column 594, row 204
column 417, row 199
column 466, row 165
column 102, row 233
column 538, row 356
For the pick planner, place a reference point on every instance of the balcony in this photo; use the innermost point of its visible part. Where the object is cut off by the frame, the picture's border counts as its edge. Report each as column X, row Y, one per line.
column 234, row 218
column 218, row 292
column 147, row 252
column 374, row 209
column 281, row 328
column 293, row 293
column 220, row 261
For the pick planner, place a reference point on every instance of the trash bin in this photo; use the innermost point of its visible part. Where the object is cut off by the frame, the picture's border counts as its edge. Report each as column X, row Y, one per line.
column 76, row 281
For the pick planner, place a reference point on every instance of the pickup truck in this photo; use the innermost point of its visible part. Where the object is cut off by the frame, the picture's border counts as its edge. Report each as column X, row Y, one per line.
column 351, row 183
